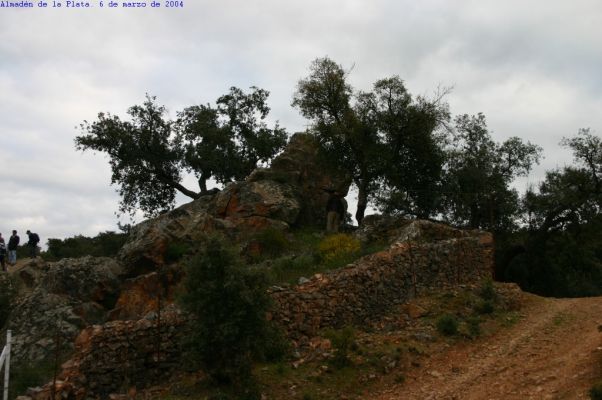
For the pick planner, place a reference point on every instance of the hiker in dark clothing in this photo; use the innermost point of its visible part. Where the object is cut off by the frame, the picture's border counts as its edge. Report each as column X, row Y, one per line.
column 2, row 253
column 13, row 243
column 334, row 212
column 34, row 239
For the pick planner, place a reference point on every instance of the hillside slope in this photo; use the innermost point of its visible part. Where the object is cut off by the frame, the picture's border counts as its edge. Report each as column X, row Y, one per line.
column 553, row 352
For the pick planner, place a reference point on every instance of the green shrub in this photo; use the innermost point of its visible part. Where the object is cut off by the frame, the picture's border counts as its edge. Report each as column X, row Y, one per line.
column 176, row 251
column 485, row 307
column 105, row 244
column 342, row 341
column 596, row 391
column 229, row 304
column 447, row 325
column 487, row 291
column 339, row 246
column 474, row 326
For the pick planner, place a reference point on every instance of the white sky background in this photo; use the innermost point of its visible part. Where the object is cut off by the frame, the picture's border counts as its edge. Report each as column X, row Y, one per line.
column 533, row 68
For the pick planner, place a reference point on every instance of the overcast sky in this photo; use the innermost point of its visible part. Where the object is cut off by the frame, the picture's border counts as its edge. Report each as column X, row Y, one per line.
column 532, row 67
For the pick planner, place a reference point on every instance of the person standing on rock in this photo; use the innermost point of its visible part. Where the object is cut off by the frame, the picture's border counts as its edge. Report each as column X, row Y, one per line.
column 13, row 243
column 2, row 253
column 33, row 241
column 334, row 212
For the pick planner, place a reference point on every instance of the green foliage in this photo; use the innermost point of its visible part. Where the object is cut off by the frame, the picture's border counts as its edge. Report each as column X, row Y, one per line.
column 105, row 244
column 149, row 153
column 447, row 325
column 337, row 247
column 487, row 291
column 595, row 393
column 487, row 298
column 479, row 173
column 485, row 307
column 290, row 268
column 342, row 341
column 474, row 326
column 558, row 254
column 229, row 304
column 176, row 251
column 371, row 138
column 273, row 242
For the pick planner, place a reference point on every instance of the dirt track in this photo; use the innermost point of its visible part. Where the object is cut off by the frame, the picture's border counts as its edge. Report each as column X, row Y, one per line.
column 552, row 353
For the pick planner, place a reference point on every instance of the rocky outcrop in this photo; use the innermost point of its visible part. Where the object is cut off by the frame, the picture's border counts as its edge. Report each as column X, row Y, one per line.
column 301, row 167
column 148, row 241
column 64, row 297
column 144, row 295
column 290, row 192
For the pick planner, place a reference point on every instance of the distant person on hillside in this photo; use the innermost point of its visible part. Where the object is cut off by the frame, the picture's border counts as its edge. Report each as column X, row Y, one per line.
column 34, row 239
column 335, row 210
column 2, row 253
column 13, row 243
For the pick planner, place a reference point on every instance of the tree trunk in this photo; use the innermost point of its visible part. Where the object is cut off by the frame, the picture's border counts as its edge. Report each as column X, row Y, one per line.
column 178, row 186
column 362, row 200
column 187, row 192
column 203, row 184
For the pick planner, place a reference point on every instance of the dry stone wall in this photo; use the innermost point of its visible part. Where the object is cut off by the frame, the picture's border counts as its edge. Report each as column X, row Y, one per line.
column 120, row 357
column 374, row 283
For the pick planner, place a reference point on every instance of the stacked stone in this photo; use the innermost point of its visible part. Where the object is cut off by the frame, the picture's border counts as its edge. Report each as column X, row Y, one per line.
column 120, row 356
column 371, row 285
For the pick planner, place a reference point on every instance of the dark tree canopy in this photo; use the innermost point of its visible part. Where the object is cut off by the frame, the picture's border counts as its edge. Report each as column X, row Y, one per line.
column 144, row 162
column 561, row 247
column 366, row 134
column 572, row 195
column 149, row 153
column 479, row 172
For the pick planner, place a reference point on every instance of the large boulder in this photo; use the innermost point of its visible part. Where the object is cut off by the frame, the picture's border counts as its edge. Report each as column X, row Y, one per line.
column 147, row 294
column 301, row 167
column 148, row 241
column 265, row 198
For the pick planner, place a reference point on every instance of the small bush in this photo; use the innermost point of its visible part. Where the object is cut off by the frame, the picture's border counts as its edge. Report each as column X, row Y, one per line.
column 229, row 304
column 487, row 291
column 343, row 341
column 338, row 246
column 474, row 326
column 596, row 391
column 485, row 307
column 447, row 325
